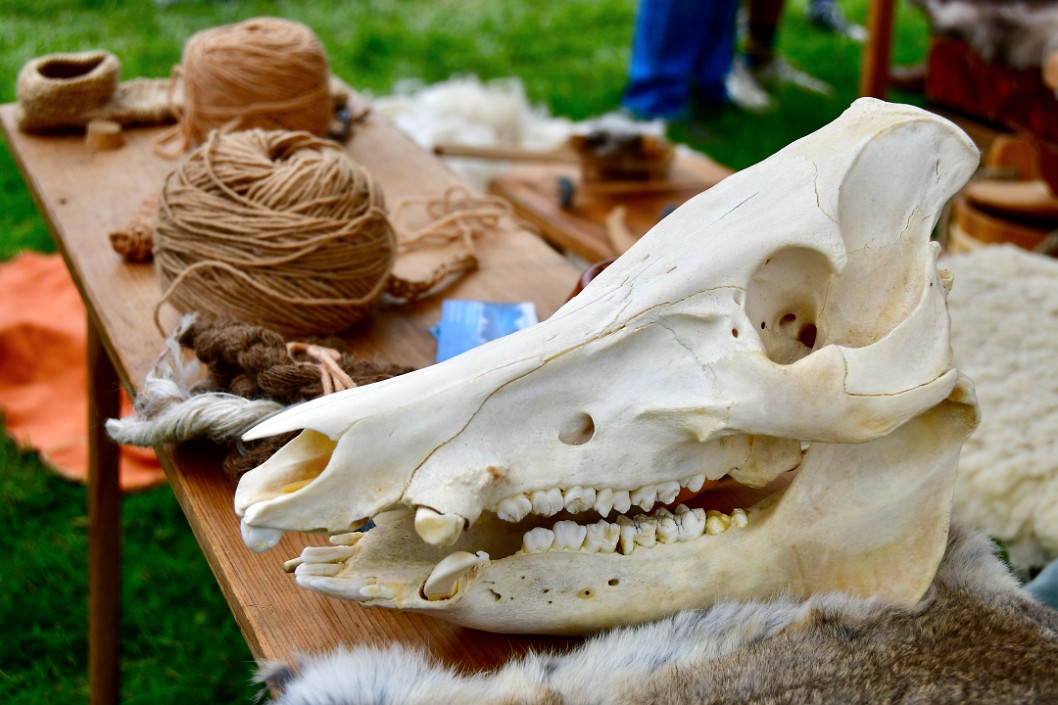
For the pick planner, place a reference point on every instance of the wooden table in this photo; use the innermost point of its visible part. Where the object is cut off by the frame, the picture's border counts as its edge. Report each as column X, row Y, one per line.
column 580, row 227
column 82, row 194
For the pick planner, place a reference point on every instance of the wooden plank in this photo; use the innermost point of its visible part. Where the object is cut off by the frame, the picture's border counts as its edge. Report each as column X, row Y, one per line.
column 83, row 194
column 580, row 228
column 874, row 64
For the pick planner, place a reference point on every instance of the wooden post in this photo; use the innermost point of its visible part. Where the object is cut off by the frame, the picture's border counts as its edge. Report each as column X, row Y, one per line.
column 874, row 66
column 104, row 530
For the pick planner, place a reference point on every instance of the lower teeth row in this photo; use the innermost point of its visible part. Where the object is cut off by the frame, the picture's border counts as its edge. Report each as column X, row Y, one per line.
column 627, row 534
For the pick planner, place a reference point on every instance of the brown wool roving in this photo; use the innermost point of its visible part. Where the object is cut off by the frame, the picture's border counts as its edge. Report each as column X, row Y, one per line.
column 275, row 228
column 265, row 72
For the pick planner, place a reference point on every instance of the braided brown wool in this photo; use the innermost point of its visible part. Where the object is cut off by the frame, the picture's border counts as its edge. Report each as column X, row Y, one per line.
column 254, row 362
column 280, row 229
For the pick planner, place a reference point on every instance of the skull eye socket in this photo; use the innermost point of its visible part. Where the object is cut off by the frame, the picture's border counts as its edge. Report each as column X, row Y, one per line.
column 577, row 430
column 785, row 297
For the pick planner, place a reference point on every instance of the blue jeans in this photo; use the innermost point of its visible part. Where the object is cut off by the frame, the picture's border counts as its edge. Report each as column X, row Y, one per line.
column 681, row 49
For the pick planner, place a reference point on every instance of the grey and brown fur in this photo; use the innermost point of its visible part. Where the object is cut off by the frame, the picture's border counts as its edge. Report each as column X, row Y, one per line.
column 975, row 638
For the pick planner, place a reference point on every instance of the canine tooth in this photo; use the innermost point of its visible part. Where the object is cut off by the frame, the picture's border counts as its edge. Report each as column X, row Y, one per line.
column 739, row 518
column 716, row 522
column 438, row 529
column 547, row 502
column 668, row 532
column 578, row 498
column 628, row 534
column 569, row 535
column 514, row 508
column 622, row 501
column 381, row 591
column 259, row 539
column 328, row 570
column 347, row 539
column 444, row 578
column 694, row 483
column 538, row 539
column 602, row 537
column 646, row 530
column 667, row 491
column 604, row 501
column 645, row 497
column 328, row 554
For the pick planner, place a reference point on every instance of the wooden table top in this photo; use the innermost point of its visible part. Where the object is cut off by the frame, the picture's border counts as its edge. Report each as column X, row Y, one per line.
column 83, row 194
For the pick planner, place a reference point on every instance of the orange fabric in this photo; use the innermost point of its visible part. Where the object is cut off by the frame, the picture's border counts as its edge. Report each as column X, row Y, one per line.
column 43, row 394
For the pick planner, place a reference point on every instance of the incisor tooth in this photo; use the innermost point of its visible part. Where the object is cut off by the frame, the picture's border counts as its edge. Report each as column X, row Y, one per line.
column 645, row 496
column 438, row 529
column 667, row 491
column 328, row 554
column 569, row 535
column 538, row 539
column 547, row 502
column 578, row 498
column 347, row 539
column 602, row 537
column 514, row 508
column 381, row 591
column 604, row 501
column 322, row 569
column 444, row 578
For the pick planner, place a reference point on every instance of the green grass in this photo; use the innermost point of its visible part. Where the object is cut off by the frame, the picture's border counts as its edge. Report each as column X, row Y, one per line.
column 180, row 643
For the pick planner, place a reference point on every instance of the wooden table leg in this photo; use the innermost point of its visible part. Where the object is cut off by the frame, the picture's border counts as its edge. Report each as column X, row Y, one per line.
column 874, row 67
column 104, row 532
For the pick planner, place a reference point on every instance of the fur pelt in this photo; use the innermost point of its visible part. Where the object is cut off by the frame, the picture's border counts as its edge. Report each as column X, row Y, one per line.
column 1019, row 33
column 975, row 638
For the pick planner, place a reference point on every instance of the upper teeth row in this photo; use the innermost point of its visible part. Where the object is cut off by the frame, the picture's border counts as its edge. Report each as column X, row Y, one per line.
column 626, row 534
column 578, row 499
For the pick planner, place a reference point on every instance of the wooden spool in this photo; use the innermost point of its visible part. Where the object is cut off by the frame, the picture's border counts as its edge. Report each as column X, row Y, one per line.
column 104, row 134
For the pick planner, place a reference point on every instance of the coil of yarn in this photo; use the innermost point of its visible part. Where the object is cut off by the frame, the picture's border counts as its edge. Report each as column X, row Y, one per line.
column 264, row 73
column 275, row 228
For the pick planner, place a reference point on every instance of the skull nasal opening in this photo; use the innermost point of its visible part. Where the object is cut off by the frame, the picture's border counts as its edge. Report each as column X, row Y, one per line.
column 577, row 429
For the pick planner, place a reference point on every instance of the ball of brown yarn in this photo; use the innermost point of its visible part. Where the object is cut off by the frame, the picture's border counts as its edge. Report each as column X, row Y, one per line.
column 265, row 72
column 274, row 228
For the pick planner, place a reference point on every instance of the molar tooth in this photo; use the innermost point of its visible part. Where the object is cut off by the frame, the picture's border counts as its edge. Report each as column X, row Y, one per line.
column 602, row 537
column 578, row 498
column 681, row 509
column 538, row 539
column 691, row 524
column 694, row 483
column 645, row 497
column 628, row 534
column 438, row 529
column 514, row 509
column 569, row 535
column 667, row 491
column 646, row 530
column 716, row 522
column 662, row 512
column 604, row 501
column 668, row 532
column 547, row 502
column 739, row 518
column 444, row 578
column 622, row 501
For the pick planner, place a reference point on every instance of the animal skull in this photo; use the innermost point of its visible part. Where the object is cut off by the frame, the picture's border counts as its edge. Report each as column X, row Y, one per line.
column 789, row 322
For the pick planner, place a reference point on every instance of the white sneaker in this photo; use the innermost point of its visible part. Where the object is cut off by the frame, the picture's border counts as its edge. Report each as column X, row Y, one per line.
column 743, row 90
column 779, row 71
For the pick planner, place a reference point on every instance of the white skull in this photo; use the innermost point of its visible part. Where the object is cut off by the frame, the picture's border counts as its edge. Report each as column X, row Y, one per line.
column 791, row 317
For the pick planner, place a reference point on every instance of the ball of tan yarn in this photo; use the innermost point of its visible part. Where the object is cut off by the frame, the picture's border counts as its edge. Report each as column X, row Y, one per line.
column 265, row 72
column 279, row 229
